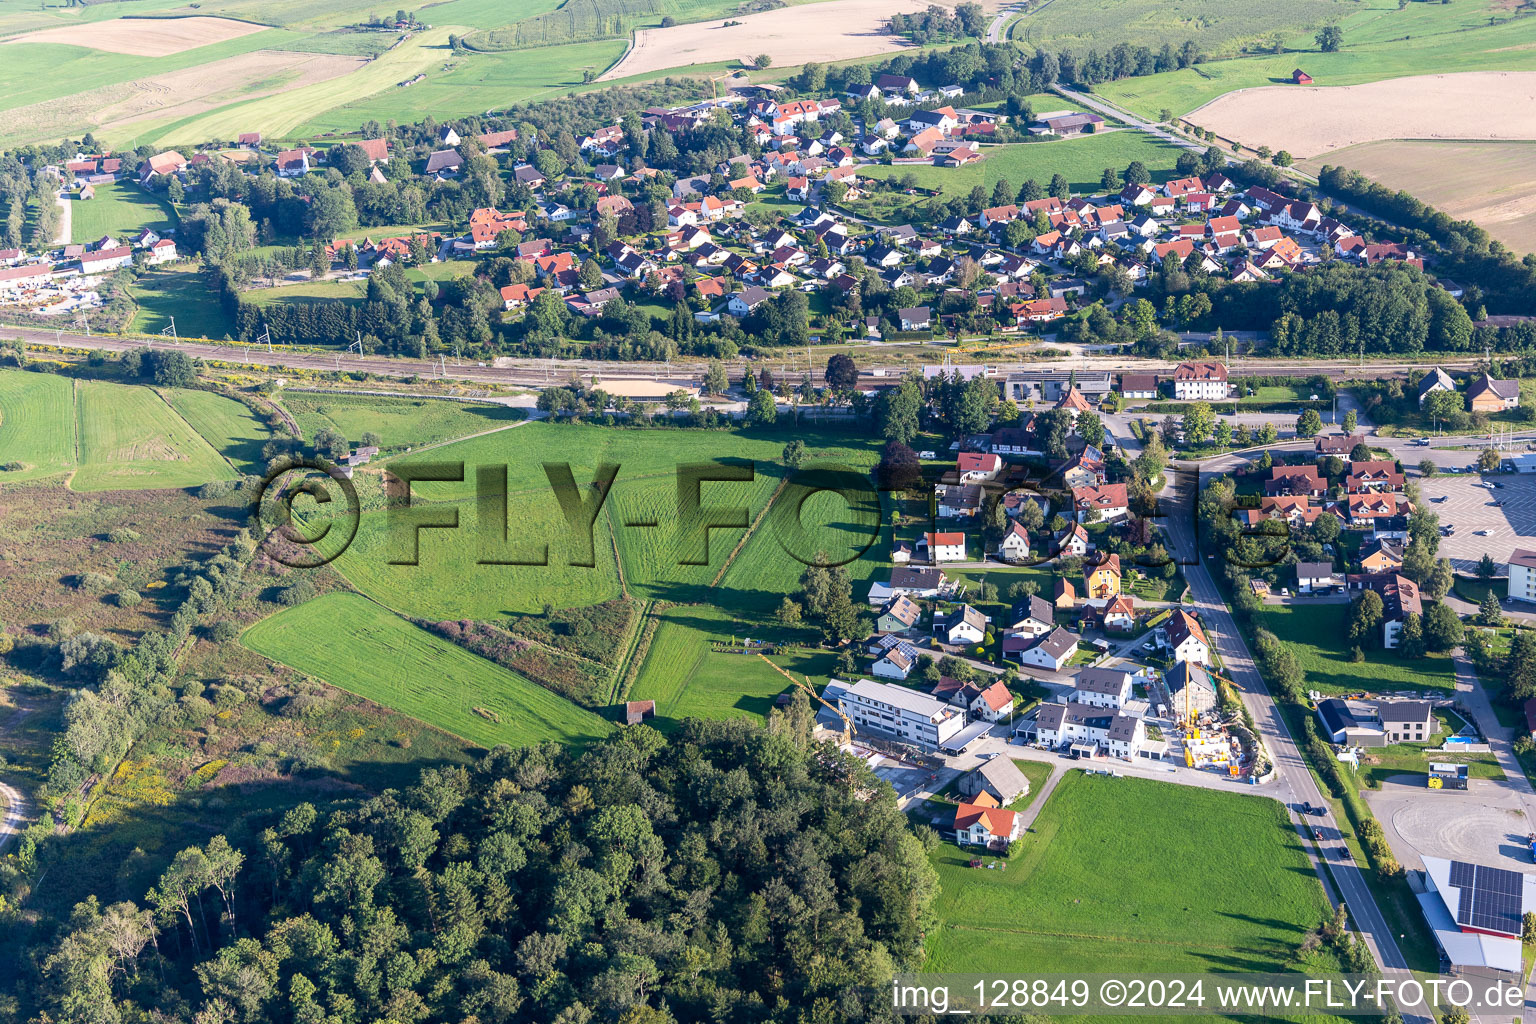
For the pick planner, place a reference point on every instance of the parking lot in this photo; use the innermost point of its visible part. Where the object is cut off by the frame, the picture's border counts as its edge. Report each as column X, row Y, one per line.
column 1463, row 501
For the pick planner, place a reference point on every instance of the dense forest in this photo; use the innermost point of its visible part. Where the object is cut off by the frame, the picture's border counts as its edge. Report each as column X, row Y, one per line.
column 737, row 872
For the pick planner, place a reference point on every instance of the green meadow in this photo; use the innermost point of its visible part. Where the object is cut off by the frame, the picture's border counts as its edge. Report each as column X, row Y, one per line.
column 119, row 210
column 1381, row 41
column 37, row 424
column 130, row 439
column 178, row 292
column 355, row 645
column 401, row 423
column 1131, row 875
column 230, row 426
column 1315, row 634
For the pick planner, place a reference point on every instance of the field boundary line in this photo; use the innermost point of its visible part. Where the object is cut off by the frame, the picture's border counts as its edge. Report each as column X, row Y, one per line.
column 159, row 393
column 630, row 648
column 1122, row 939
column 613, row 541
column 731, row 558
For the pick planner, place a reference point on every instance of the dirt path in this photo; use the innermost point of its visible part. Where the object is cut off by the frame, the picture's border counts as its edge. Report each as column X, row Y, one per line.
column 66, row 220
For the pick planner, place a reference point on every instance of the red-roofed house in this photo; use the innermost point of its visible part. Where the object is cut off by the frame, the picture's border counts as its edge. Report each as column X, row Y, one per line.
column 981, row 825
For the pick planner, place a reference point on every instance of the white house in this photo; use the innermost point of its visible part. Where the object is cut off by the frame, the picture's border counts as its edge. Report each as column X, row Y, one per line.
column 964, row 625
column 985, row 825
column 901, row 713
column 897, row 662
column 1187, row 639
column 1051, row 652
column 978, row 467
column 1522, row 575
column 1061, row 725
column 1200, row 381
column 994, row 703
column 1314, row 576
column 1033, row 617
column 1103, row 687
column 1014, row 547
column 942, row 547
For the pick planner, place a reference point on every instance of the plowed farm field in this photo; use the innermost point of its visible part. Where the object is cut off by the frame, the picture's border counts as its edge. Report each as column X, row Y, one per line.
column 144, row 37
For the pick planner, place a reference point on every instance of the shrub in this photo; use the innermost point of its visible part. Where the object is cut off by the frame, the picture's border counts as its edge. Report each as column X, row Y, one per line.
column 223, row 630
column 93, row 583
column 296, row 592
column 128, row 599
column 122, row 535
column 14, row 466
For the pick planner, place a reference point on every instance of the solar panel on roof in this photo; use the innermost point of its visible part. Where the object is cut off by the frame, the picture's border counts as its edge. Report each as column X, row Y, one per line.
column 1490, row 898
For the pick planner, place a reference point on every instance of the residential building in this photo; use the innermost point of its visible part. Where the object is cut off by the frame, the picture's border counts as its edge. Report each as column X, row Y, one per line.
column 993, row 704
column 1014, row 547
column 1435, row 380
column 1102, row 687
column 1399, row 598
column 1101, row 577
column 1385, row 555
column 978, row 467
column 912, row 582
column 1138, row 385
column 896, row 662
column 900, row 615
column 1058, row 726
column 1489, row 395
column 1200, row 381
column 998, row 777
column 1105, row 503
column 1312, row 577
column 983, row 825
column 1051, row 652
column 964, row 625
column 1187, row 639
column 1032, row 617
column 1190, row 691
column 942, row 547
column 901, row 713
column 1522, row 575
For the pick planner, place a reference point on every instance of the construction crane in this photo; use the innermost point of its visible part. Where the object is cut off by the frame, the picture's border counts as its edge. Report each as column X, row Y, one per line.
column 805, row 685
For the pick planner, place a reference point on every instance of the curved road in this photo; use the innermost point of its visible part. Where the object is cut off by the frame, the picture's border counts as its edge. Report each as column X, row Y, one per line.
column 13, row 813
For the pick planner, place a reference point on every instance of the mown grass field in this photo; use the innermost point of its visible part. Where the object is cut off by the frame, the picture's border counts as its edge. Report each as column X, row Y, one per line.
column 1381, row 41
column 1132, row 875
column 230, row 426
column 687, row 679
column 119, row 210
column 355, row 645
column 178, row 291
column 1082, row 161
column 399, row 422
column 131, row 439
column 450, row 583
column 1218, row 27
column 37, row 424
column 1316, row 635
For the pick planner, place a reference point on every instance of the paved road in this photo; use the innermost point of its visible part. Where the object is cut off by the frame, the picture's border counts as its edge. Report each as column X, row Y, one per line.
column 1294, row 783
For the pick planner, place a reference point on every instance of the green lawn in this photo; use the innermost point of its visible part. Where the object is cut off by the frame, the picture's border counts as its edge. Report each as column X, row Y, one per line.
column 230, row 426
column 37, row 424
column 130, row 439
column 1411, row 759
column 119, row 210
column 1132, row 875
column 1082, row 160
column 394, row 663
column 401, row 423
column 308, row 291
column 1380, row 41
column 1316, row 635
column 1215, row 26
column 178, row 291
column 687, row 679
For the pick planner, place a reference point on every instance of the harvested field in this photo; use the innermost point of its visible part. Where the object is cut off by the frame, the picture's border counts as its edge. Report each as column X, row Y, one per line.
column 177, row 94
column 1488, row 183
column 1312, row 121
column 144, row 37
column 835, row 30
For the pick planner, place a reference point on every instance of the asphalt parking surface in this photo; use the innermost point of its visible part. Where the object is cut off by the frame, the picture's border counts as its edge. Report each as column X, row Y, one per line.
column 1466, row 507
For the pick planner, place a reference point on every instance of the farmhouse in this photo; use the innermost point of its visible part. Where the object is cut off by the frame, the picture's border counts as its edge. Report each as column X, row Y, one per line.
column 1489, row 395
